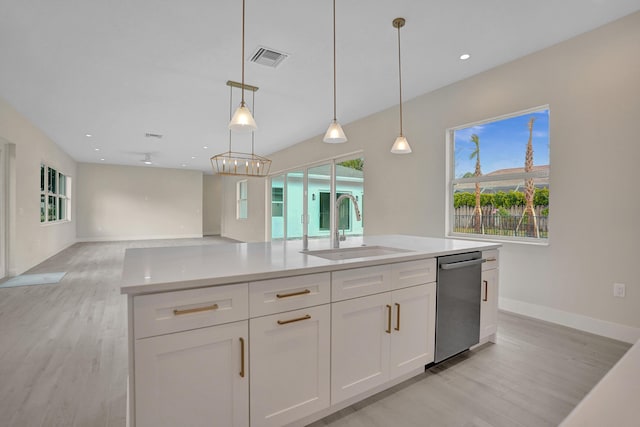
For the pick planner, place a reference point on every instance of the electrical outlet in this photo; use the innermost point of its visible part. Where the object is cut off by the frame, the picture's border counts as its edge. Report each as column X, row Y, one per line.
column 619, row 290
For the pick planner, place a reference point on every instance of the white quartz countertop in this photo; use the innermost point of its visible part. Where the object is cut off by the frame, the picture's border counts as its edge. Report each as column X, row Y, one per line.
column 149, row 270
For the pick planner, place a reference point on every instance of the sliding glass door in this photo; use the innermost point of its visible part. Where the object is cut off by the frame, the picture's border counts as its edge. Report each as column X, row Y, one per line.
column 302, row 199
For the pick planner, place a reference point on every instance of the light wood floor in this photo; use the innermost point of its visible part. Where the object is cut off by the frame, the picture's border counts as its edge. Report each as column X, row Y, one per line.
column 63, row 360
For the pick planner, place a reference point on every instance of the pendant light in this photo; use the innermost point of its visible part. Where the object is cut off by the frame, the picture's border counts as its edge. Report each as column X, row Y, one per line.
column 401, row 145
column 240, row 163
column 242, row 119
column 335, row 134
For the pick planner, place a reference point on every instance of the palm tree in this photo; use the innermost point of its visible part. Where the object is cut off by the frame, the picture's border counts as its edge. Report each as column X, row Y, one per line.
column 529, row 190
column 477, row 211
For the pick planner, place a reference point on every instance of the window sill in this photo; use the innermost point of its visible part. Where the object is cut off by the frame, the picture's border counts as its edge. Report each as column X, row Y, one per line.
column 480, row 238
column 50, row 223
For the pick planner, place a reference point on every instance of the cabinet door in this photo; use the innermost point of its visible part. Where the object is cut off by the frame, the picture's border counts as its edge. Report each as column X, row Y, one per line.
column 489, row 305
column 413, row 335
column 360, row 336
column 193, row 378
column 289, row 365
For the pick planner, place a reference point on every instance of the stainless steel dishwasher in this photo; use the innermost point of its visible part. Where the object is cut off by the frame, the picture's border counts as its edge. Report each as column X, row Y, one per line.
column 457, row 304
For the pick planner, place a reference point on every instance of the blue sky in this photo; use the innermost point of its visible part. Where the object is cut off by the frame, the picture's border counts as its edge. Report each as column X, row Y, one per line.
column 503, row 144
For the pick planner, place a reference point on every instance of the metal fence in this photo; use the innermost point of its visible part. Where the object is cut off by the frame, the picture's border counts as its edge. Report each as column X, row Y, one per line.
column 496, row 223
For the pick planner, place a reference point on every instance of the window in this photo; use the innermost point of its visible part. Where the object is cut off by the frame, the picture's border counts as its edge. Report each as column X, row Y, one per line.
column 55, row 195
column 277, row 202
column 241, row 199
column 499, row 179
column 344, row 212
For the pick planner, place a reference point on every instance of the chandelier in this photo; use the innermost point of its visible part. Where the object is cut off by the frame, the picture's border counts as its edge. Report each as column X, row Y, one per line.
column 237, row 162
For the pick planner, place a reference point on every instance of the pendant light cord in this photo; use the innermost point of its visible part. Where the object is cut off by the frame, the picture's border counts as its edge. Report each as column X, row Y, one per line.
column 242, row 102
column 400, row 78
column 253, row 107
column 334, row 61
column 230, row 113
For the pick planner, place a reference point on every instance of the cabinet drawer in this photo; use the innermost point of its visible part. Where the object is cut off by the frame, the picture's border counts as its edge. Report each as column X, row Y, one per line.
column 169, row 312
column 289, row 293
column 359, row 282
column 492, row 259
column 411, row 273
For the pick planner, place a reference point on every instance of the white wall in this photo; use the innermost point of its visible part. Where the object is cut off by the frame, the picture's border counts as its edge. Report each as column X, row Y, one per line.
column 592, row 85
column 127, row 202
column 211, row 204
column 30, row 242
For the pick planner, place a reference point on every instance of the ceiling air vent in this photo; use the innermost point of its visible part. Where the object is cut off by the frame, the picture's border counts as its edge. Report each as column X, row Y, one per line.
column 153, row 135
column 268, row 57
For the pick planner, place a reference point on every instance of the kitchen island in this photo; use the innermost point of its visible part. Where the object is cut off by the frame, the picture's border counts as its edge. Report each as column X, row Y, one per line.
column 263, row 334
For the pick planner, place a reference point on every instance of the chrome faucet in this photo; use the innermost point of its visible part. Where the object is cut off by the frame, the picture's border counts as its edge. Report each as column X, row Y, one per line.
column 336, row 240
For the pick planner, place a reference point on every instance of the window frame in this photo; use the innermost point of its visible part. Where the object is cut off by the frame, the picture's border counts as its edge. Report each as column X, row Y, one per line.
column 451, row 182
column 279, row 203
column 242, row 199
column 55, row 198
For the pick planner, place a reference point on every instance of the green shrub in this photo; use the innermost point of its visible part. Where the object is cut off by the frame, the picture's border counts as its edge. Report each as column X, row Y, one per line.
column 501, row 199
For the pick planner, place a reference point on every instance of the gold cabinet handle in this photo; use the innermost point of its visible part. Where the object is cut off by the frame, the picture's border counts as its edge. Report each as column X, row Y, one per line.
column 177, row 312
column 297, row 319
column 241, row 357
column 388, row 330
column 486, row 290
column 293, row 294
column 397, row 328
column 491, row 259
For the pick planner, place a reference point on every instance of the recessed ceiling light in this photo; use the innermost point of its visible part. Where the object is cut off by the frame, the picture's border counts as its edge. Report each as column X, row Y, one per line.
column 205, row 147
column 102, row 159
column 193, row 157
column 183, row 165
column 465, row 56
column 96, row 149
column 88, row 135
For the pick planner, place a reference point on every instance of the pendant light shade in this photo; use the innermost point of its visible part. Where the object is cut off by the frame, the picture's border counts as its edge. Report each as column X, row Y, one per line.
column 242, row 120
column 335, row 134
column 401, row 145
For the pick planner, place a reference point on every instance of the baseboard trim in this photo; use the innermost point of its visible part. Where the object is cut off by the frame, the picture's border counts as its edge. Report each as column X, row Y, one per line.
column 577, row 321
column 127, row 238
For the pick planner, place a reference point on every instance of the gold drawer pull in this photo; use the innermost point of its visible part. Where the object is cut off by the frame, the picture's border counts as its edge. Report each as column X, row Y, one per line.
column 491, row 259
column 388, row 330
column 195, row 310
column 397, row 328
column 241, row 357
column 293, row 294
column 297, row 319
column 486, row 290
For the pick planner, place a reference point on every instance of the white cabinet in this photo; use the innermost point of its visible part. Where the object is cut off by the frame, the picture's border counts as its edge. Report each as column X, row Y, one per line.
column 380, row 337
column 289, row 365
column 489, row 295
column 360, row 337
column 414, row 327
column 309, row 342
column 193, row 378
column 376, row 338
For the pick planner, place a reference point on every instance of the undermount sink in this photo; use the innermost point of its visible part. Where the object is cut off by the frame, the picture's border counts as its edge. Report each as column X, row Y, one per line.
column 358, row 252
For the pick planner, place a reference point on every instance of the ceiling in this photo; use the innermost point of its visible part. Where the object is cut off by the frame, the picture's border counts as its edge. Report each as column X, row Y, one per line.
column 120, row 69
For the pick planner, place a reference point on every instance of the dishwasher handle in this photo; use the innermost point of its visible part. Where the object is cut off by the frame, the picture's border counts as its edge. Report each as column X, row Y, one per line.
column 462, row 264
